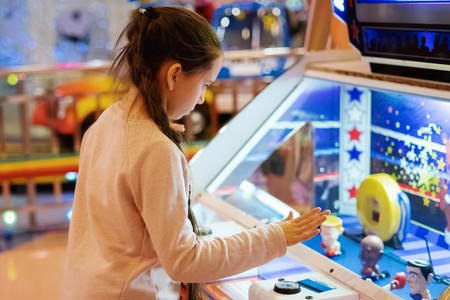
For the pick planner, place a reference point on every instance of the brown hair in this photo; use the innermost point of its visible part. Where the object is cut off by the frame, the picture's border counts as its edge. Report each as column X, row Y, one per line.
column 154, row 37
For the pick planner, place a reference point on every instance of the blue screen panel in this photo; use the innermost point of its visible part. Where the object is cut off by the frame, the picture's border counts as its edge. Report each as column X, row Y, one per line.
column 408, row 140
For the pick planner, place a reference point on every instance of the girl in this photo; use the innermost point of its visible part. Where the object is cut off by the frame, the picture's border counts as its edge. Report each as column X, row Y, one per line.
column 132, row 231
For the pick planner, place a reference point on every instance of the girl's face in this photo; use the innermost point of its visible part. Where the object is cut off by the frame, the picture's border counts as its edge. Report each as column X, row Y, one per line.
column 189, row 90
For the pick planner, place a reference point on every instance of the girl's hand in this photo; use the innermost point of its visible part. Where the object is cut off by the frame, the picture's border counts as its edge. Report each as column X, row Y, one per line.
column 304, row 227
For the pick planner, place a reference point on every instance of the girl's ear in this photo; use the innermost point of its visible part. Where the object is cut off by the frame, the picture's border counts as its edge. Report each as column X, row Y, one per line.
column 173, row 74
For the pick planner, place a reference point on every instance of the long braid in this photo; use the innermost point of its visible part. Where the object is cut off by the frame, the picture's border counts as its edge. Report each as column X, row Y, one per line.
column 160, row 118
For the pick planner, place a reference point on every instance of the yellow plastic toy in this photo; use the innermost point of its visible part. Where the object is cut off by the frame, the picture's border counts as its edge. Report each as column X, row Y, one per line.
column 377, row 206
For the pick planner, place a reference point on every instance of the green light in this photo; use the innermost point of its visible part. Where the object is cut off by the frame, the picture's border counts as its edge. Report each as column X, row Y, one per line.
column 13, row 79
column 10, row 217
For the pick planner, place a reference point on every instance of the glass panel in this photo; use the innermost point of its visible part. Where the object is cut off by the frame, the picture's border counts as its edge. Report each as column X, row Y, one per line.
column 281, row 164
column 409, row 135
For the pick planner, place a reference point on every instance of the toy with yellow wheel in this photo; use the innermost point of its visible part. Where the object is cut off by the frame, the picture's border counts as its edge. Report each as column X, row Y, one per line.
column 383, row 209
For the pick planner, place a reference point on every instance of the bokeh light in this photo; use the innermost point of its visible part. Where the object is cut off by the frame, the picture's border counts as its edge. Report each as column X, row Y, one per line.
column 9, row 217
column 13, row 79
column 225, row 22
column 71, row 176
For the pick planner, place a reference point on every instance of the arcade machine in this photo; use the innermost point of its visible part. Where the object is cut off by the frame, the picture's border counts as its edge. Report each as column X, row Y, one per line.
column 380, row 156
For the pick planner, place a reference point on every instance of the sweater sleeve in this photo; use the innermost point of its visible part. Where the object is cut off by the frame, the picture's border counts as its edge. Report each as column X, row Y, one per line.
column 161, row 197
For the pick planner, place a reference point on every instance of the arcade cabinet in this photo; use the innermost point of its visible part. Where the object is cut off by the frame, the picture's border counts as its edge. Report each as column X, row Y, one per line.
column 366, row 125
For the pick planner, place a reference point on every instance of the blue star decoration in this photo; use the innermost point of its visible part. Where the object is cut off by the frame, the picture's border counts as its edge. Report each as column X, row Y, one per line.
column 355, row 94
column 354, row 153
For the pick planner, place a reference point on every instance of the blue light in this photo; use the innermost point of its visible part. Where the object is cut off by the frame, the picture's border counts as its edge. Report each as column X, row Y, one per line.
column 339, row 4
column 32, row 44
column 82, row 47
column 69, row 215
column 71, row 176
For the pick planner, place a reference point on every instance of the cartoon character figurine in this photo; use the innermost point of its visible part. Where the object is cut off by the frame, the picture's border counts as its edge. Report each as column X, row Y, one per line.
column 420, row 274
column 372, row 248
column 330, row 231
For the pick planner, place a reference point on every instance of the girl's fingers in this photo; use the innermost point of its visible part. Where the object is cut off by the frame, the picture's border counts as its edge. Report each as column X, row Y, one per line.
column 311, row 212
column 304, row 227
column 312, row 226
column 313, row 218
column 307, row 215
column 290, row 216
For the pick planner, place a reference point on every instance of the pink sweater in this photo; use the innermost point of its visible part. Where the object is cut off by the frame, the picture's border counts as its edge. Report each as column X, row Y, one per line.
column 129, row 236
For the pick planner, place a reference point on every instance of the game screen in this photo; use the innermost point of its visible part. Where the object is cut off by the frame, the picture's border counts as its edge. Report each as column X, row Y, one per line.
column 297, row 157
column 408, row 142
column 407, row 43
column 399, row 29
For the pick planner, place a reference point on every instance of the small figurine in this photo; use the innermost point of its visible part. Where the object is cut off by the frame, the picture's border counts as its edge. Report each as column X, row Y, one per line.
column 330, row 230
column 372, row 248
column 420, row 274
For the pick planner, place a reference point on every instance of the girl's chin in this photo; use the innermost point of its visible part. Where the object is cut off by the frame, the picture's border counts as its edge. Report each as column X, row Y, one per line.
column 179, row 116
column 176, row 118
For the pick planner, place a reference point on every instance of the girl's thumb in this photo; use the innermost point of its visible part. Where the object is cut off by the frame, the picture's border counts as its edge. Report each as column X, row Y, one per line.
column 290, row 216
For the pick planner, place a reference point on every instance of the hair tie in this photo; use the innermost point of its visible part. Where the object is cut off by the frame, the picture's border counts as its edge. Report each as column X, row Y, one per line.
column 150, row 12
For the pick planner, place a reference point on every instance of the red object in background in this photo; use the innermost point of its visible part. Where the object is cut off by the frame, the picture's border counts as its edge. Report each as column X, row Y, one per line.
column 40, row 114
column 63, row 126
column 206, row 9
column 68, row 124
column 33, row 172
